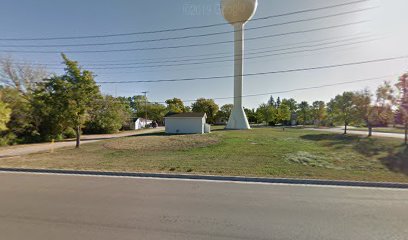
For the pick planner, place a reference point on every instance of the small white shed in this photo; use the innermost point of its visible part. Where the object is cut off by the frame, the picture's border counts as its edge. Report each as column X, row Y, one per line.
column 141, row 123
column 187, row 123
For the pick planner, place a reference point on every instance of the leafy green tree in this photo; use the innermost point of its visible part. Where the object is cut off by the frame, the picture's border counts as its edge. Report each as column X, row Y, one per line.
column 5, row 113
column 266, row 113
column 251, row 115
column 224, row 113
column 136, row 103
column 107, row 115
column 68, row 99
column 304, row 112
column 293, row 107
column 175, row 105
column 318, row 111
column 386, row 100
column 402, row 86
column 343, row 109
column 365, row 110
column 21, row 127
column 81, row 92
column 291, row 103
column 207, row 106
column 283, row 114
column 51, row 108
column 155, row 111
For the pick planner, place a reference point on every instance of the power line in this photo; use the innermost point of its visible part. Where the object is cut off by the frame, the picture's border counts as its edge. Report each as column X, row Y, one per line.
column 188, row 36
column 194, row 57
column 262, row 73
column 301, row 89
column 297, row 89
column 184, row 28
column 189, row 61
column 195, row 45
column 231, row 60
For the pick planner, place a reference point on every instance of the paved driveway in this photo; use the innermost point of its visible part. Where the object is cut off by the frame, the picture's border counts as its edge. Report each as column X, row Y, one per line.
column 363, row 133
column 45, row 147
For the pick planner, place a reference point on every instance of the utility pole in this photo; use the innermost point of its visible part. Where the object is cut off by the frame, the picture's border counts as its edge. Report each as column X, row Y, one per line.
column 145, row 94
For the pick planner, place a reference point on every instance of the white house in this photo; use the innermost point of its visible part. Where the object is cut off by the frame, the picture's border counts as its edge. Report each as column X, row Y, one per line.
column 140, row 123
column 187, row 123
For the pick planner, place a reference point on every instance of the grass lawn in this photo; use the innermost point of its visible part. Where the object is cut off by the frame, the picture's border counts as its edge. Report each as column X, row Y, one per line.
column 264, row 152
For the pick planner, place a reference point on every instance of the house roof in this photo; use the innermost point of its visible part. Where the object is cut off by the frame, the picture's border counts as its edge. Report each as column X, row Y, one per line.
column 187, row 115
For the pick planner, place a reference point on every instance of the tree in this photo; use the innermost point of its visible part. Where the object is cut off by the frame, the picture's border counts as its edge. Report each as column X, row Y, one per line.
column 224, row 113
column 21, row 76
column 155, row 111
column 271, row 101
column 107, row 115
column 402, row 86
column 21, row 127
column 175, row 105
column 283, row 114
column 251, row 115
column 291, row 103
column 68, row 98
column 365, row 110
column 278, row 102
column 318, row 111
column 207, row 106
column 266, row 113
column 304, row 112
column 293, row 107
column 342, row 109
column 4, row 115
column 385, row 101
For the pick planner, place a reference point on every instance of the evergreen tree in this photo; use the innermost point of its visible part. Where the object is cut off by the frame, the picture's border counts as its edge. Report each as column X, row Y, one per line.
column 278, row 102
column 271, row 101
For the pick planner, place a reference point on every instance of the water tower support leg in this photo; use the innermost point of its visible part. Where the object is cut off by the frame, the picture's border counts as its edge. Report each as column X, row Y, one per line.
column 238, row 119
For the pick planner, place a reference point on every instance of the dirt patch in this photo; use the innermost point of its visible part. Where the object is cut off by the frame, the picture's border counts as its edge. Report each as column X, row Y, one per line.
column 162, row 142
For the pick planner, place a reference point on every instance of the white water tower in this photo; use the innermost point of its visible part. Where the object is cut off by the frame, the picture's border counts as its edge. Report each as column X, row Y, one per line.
column 237, row 13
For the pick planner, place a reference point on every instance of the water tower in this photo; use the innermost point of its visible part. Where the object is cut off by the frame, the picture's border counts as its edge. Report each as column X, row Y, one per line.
column 237, row 13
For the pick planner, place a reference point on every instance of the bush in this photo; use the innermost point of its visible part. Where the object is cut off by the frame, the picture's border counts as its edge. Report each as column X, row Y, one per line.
column 69, row 133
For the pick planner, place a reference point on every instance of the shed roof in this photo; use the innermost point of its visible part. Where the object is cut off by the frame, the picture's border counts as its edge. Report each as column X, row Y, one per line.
column 187, row 115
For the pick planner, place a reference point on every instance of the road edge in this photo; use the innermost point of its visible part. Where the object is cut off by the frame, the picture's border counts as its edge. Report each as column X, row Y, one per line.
column 292, row 181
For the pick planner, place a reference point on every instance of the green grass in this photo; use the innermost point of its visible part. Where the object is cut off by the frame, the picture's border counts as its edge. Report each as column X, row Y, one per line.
column 264, row 152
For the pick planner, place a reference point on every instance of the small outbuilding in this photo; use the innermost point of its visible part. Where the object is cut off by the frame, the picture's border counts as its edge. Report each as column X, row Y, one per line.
column 187, row 123
column 140, row 123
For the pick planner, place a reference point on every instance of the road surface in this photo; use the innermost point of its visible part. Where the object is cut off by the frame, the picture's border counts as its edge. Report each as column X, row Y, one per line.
column 101, row 208
column 19, row 150
column 363, row 133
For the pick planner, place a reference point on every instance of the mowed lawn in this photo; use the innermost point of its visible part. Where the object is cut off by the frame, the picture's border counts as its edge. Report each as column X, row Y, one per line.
column 265, row 152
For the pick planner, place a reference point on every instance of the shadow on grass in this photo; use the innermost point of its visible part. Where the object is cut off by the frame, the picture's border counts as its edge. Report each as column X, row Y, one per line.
column 396, row 158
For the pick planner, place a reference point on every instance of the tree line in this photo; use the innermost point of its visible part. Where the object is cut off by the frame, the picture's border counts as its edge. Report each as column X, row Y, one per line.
column 36, row 106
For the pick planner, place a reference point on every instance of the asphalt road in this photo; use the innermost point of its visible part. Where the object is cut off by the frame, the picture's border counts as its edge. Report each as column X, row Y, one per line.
column 82, row 207
column 25, row 149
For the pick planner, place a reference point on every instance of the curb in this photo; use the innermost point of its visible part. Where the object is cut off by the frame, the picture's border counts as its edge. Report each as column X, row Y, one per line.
column 216, row 178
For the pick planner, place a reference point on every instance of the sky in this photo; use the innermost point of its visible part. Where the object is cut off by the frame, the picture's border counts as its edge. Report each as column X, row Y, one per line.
column 373, row 29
